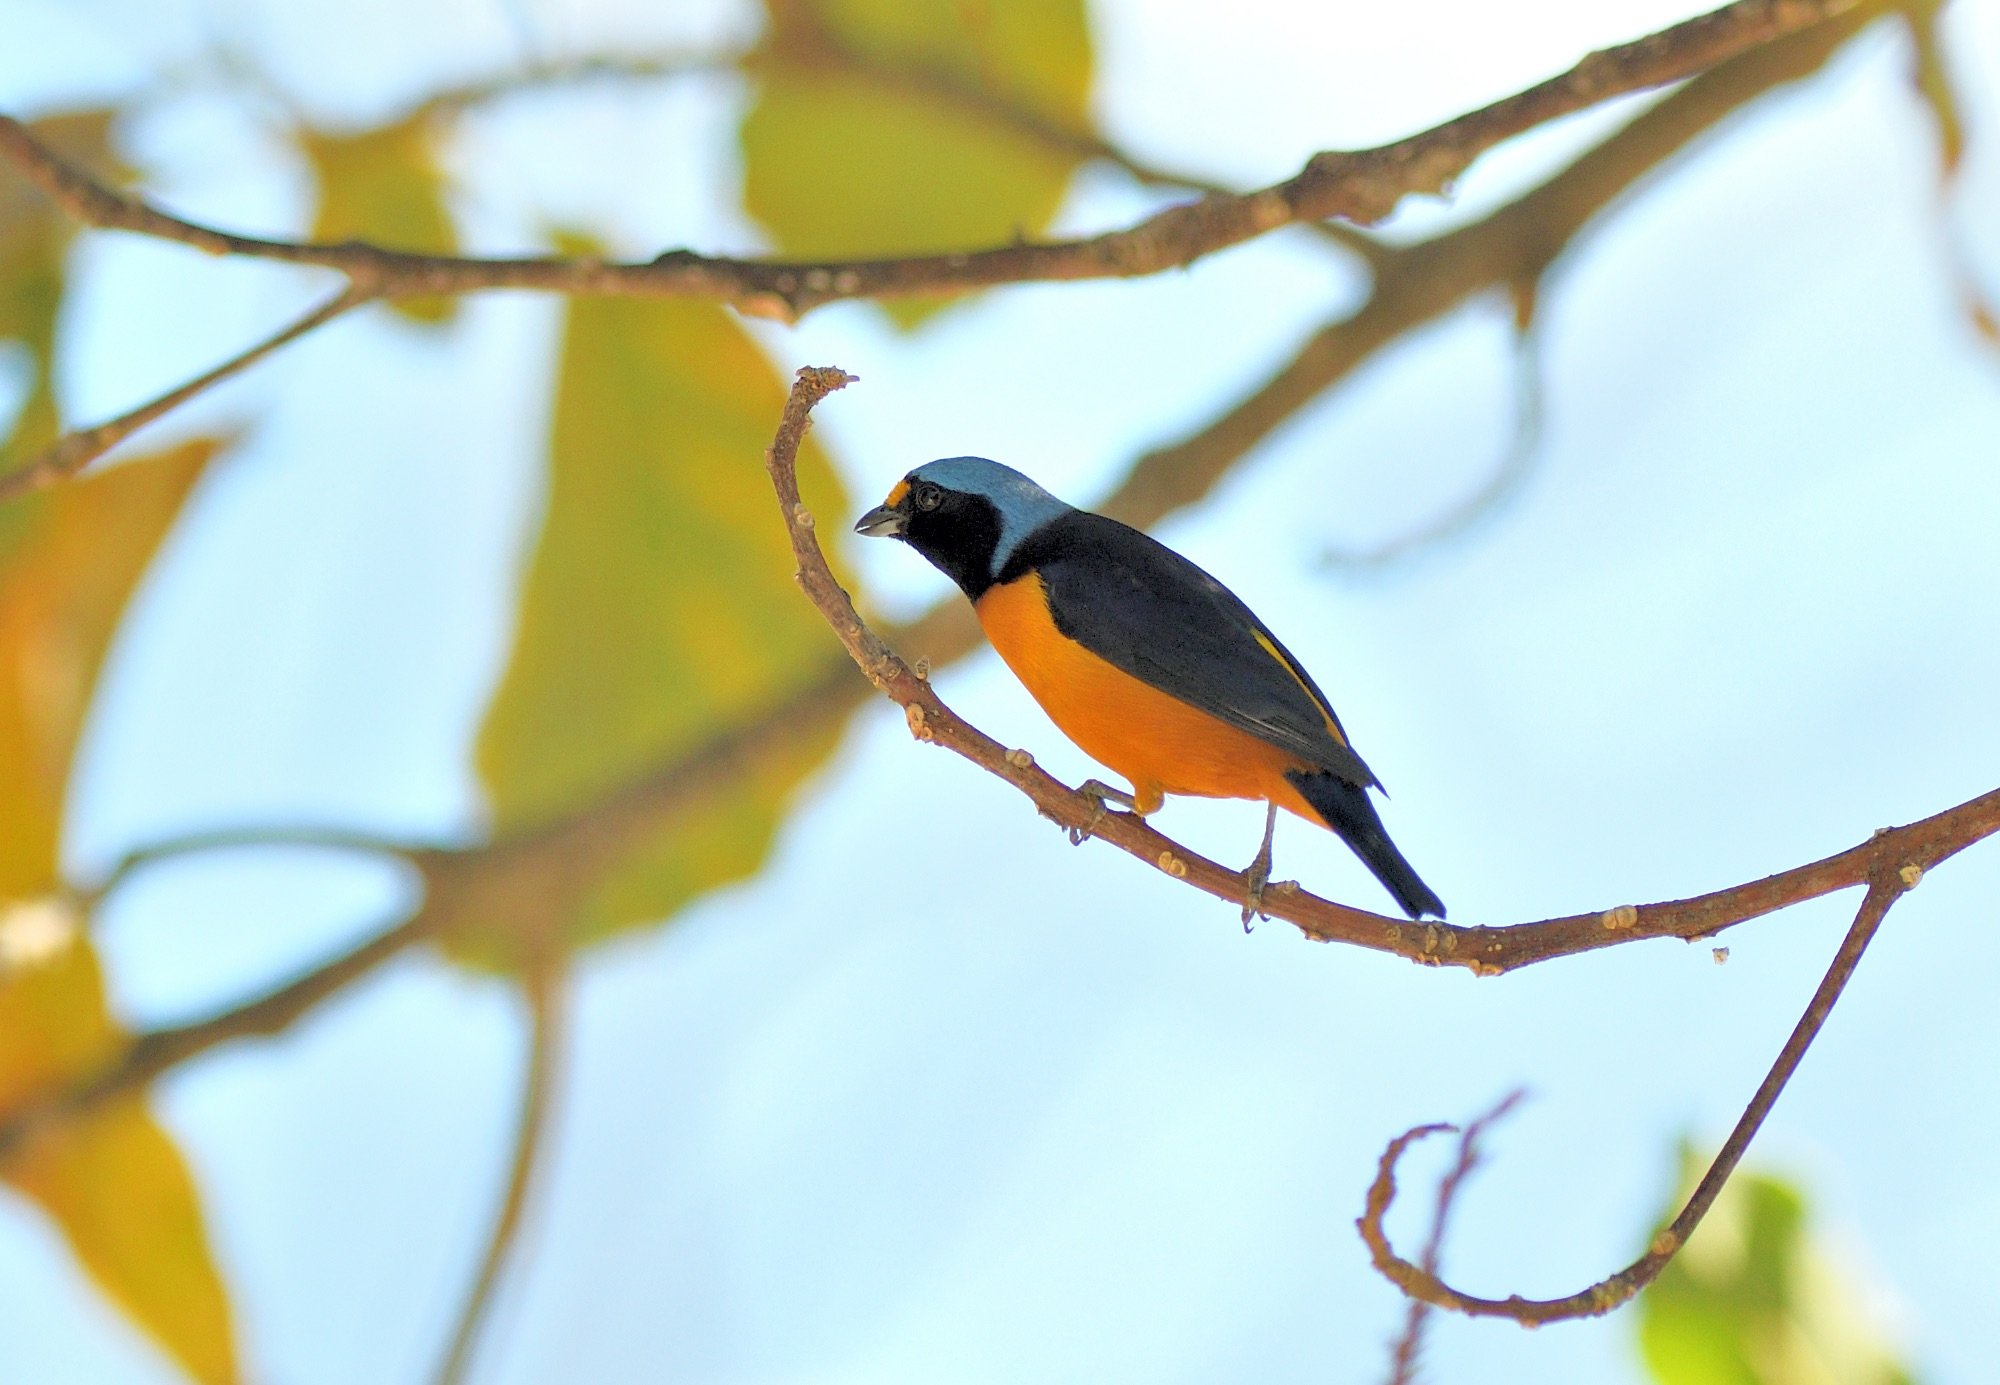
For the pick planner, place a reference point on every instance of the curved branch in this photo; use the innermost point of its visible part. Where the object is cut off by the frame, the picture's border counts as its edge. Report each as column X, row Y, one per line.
column 1904, row 852
column 1410, row 1343
column 1422, row 1283
column 1362, row 186
column 340, row 839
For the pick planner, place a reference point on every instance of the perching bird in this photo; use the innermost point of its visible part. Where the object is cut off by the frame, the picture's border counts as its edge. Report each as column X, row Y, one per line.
column 1151, row 666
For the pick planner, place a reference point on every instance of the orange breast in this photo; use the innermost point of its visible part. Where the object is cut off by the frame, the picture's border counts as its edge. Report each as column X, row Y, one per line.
column 1157, row 742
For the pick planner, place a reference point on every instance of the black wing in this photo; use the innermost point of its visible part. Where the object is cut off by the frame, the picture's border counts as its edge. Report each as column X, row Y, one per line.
column 1145, row 609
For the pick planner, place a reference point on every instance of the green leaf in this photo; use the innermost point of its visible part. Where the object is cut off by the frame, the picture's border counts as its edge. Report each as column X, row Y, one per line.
column 112, row 1180
column 384, row 186
column 658, row 610
column 1751, row 1301
column 905, row 150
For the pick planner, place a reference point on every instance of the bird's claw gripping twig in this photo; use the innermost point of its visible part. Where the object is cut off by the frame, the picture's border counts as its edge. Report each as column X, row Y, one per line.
column 1099, row 793
column 1257, row 874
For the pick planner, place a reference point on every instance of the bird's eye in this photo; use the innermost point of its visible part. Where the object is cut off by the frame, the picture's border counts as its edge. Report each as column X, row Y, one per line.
column 926, row 497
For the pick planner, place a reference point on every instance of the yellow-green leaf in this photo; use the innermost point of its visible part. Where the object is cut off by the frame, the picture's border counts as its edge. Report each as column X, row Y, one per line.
column 384, row 186
column 111, row 1180
column 879, row 128
column 69, row 558
column 117, row 1186
column 1751, row 1301
column 34, row 243
column 658, row 610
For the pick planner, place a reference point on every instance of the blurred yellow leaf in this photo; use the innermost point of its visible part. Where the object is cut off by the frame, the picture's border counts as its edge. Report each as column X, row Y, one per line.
column 1751, row 1301
column 69, row 558
column 658, row 610
column 34, row 243
column 384, row 186
column 117, row 1186
column 907, row 153
column 112, row 1179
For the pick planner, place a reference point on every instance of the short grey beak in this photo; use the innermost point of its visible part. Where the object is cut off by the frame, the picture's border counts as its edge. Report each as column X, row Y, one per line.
column 880, row 523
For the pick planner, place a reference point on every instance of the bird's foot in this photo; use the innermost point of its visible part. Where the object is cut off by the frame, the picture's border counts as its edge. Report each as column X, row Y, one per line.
column 1255, row 878
column 1099, row 793
column 1257, row 874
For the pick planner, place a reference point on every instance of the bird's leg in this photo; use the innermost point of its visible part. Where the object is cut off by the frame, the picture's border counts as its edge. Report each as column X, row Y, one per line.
column 1258, row 873
column 1099, row 793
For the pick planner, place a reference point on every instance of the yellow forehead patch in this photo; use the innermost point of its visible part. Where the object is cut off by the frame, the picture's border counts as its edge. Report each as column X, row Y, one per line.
column 896, row 496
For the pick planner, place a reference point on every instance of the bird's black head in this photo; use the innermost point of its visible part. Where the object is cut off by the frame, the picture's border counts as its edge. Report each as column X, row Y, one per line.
column 965, row 514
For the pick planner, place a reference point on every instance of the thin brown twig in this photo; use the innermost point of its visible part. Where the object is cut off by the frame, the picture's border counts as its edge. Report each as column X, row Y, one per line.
column 72, row 452
column 1516, row 463
column 1884, row 889
column 575, row 72
column 1361, row 186
column 145, row 857
column 822, row 46
column 1409, row 1345
column 544, row 994
column 926, row 81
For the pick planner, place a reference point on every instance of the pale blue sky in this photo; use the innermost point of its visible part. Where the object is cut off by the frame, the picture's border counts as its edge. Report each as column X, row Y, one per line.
column 938, row 1097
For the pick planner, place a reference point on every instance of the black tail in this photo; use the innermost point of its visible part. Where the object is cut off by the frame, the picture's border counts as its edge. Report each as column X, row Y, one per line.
column 1349, row 812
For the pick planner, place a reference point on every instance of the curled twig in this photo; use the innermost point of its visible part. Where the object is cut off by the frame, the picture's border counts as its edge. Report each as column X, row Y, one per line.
column 1421, row 1282
column 1409, row 1345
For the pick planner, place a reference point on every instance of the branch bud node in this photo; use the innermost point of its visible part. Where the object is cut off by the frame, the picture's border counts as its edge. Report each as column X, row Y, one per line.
column 1618, row 919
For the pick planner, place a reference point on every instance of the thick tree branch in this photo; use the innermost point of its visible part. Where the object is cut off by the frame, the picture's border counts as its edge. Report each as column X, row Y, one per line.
column 1884, row 889
column 1362, row 186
